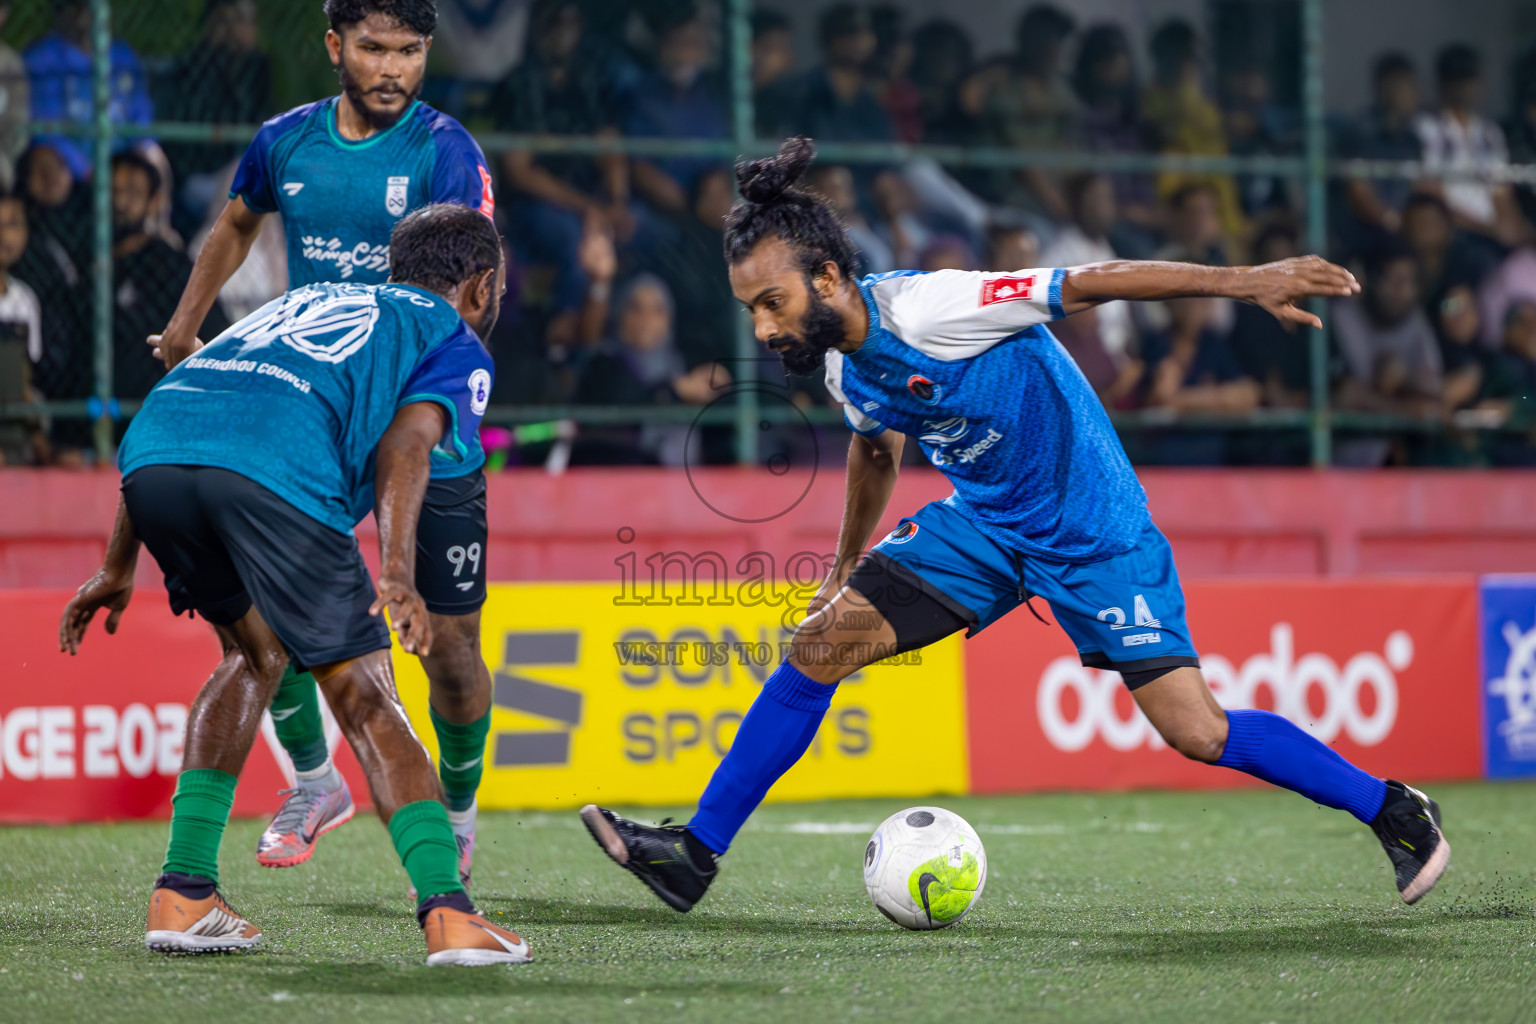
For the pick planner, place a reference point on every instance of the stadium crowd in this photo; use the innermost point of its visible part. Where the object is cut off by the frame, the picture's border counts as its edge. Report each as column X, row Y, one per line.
column 617, row 293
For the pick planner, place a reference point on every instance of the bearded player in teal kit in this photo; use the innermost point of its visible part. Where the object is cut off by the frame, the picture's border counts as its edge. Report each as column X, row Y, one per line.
column 341, row 173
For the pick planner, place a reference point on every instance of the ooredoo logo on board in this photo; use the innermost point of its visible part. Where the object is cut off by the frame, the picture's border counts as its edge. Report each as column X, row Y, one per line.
column 1358, row 698
column 1385, row 671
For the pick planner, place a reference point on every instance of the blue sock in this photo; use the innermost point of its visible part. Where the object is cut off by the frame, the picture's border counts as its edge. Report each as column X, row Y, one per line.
column 779, row 727
column 1271, row 748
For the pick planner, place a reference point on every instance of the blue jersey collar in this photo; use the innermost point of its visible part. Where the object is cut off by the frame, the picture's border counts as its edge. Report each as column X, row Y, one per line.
column 876, row 331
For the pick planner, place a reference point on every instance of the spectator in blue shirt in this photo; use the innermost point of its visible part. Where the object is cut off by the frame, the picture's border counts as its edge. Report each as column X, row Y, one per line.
column 679, row 98
column 1386, row 132
column 59, row 66
column 837, row 101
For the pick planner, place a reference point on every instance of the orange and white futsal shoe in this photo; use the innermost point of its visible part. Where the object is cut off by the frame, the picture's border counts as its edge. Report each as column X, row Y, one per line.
column 197, row 923
column 305, row 816
column 459, row 937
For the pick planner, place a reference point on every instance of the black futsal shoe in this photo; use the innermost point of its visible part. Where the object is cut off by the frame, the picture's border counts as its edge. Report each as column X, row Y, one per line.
column 668, row 858
column 1408, row 826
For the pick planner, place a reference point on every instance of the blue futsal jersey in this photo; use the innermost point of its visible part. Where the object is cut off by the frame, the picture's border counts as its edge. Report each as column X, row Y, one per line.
column 340, row 200
column 962, row 362
column 297, row 395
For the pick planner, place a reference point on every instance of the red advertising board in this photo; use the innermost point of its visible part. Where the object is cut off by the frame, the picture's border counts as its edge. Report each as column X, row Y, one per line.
column 99, row 736
column 1383, row 670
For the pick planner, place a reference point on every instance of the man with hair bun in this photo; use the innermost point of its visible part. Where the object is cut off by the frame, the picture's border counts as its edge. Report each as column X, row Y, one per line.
column 1045, row 505
column 341, row 173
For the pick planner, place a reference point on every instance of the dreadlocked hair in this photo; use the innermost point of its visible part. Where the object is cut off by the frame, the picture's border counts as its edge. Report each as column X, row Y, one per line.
column 774, row 205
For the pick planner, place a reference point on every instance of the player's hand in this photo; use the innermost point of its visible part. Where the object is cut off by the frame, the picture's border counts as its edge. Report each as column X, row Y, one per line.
column 407, row 614
column 1278, row 287
column 171, row 352
column 110, row 589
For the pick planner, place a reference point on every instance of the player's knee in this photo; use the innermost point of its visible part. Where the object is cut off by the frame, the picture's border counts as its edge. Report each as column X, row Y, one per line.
column 361, row 708
column 824, row 660
column 455, row 663
column 1198, row 741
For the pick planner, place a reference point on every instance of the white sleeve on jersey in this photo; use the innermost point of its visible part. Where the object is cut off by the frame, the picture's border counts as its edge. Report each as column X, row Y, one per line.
column 958, row 314
column 856, row 418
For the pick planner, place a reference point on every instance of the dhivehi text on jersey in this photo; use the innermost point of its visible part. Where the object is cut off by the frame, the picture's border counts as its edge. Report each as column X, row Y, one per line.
column 362, row 255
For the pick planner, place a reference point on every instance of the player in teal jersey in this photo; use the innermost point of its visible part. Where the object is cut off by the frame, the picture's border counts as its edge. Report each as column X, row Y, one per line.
column 326, row 392
column 341, row 173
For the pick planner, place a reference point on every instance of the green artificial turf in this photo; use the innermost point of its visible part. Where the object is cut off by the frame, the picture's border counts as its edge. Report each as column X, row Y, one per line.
column 1249, row 906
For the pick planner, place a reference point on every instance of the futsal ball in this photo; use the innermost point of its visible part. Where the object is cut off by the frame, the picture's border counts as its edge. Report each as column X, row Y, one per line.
column 924, row 868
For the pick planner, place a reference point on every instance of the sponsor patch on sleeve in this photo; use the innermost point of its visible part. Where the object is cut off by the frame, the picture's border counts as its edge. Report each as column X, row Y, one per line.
column 487, row 200
column 1007, row 289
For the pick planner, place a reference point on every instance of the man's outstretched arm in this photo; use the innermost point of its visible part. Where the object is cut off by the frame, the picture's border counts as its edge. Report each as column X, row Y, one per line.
column 1276, row 287
column 222, row 254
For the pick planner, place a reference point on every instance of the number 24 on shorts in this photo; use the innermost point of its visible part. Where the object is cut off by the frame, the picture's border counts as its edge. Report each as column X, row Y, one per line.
column 1116, row 616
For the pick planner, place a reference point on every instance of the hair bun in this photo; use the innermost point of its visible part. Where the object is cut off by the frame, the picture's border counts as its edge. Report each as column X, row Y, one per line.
column 763, row 181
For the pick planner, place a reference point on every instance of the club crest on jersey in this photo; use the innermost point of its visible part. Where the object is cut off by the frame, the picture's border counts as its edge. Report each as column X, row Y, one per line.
column 487, row 199
column 394, row 194
column 903, row 533
column 923, row 389
column 1007, row 289
column 479, row 392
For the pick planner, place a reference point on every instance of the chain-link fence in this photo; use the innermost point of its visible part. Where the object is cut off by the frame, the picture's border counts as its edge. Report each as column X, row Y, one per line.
column 992, row 136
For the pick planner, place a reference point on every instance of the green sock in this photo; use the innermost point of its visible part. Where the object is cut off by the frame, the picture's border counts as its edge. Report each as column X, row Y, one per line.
column 199, row 811
column 296, row 716
column 460, row 757
column 425, row 842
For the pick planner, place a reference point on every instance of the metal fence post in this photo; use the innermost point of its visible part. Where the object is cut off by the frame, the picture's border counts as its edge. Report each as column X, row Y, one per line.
column 744, row 132
column 1317, row 217
column 101, row 213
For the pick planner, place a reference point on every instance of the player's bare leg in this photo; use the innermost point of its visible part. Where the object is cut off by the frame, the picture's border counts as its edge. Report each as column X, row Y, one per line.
column 678, row 862
column 1185, row 713
column 187, row 913
column 459, row 697
column 1183, row 710
column 406, row 792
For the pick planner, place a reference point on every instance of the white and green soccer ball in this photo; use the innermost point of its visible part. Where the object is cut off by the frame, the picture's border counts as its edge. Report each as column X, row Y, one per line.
column 924, row 868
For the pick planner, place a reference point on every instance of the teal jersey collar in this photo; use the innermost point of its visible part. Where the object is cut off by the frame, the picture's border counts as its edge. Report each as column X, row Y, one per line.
column 336, row 137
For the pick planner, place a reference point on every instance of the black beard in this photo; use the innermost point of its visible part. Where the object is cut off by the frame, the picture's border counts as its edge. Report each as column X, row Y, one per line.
column 377, row 121
column 821, row 329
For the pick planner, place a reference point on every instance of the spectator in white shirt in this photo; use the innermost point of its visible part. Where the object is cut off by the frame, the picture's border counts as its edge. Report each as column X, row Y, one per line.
column 22, row 441
column 20, row 313
column 1469, row 147
column 1091, row 198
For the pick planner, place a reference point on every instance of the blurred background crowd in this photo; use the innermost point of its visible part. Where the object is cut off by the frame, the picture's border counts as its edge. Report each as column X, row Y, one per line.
column 617, row 295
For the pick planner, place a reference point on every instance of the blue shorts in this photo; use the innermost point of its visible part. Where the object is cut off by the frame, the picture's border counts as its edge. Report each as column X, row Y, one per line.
column 1124, row 613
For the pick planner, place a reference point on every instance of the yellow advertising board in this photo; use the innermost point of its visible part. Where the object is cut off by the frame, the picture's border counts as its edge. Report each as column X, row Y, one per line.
column 600, row 701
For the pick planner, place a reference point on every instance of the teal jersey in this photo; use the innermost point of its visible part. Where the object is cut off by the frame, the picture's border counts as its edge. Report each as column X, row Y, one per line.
column 297, row 395
column 340, row 200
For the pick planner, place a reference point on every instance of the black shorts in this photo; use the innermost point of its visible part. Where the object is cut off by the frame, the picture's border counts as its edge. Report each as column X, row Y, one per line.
column 225, row 542
column 450, row 545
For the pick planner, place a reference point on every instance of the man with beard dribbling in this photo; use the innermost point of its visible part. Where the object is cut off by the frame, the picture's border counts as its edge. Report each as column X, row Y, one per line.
column 341, row 173
column 1045, row 505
